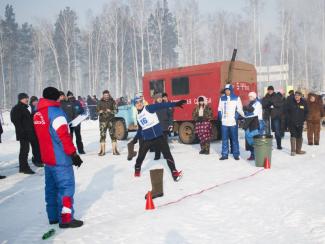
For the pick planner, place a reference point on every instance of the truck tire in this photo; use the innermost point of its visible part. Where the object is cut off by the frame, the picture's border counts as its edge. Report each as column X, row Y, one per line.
column 120, row 130
column 187, row 133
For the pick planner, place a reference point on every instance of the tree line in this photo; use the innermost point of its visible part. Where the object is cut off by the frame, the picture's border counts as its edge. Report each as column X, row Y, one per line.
column 128, row 38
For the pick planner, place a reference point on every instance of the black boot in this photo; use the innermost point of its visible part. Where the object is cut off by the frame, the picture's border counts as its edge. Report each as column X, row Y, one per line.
column 278, row 143
column 27, row 171
column 36, row 163
column 2, row 177
column 73, row 224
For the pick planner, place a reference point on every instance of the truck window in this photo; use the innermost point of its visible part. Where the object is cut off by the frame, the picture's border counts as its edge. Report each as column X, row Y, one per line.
column 157, row 86
column 180, row 86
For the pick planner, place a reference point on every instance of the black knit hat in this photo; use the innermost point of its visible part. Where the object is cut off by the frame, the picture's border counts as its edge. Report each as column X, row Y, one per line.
column 33, row 99
column 22, row 96
column 69, row 94
column 270, row 88
column 61, row 93
column 201, row 99
column 51, row 93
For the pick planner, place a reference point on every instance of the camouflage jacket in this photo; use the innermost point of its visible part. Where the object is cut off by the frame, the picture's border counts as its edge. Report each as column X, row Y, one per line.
column 109, row 109
column 207, row 114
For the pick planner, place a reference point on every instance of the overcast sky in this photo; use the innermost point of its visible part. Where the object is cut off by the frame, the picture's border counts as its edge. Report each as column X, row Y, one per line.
column 28, row 10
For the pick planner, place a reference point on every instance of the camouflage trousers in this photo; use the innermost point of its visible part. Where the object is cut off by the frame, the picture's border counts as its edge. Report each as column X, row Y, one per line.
column 103, row 127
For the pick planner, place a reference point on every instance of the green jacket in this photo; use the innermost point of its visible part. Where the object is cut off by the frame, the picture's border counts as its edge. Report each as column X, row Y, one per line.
column 105, row 106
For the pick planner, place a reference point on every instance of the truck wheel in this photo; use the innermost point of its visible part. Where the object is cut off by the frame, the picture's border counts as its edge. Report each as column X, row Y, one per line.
column 120, row 130
column 186, row 133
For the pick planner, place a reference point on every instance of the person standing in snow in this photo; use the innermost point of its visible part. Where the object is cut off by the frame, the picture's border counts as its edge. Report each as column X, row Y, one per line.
column 253, row 121
column 21, row 117
column 77, row 110
column 150, row 134
column 229, row 109
column 106, row 109
column 316, row 112
column 58, row 154
column 273, row 106
column 202, row 115
column 297, row 111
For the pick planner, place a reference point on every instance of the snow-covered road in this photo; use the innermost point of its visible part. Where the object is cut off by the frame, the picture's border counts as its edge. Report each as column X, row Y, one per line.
column 285, row 204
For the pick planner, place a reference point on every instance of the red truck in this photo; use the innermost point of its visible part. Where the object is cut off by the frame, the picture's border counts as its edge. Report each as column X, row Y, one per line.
column 191, row 82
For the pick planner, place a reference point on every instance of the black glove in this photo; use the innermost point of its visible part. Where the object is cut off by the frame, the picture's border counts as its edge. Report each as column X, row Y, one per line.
column 180, row 103
column 76, row 160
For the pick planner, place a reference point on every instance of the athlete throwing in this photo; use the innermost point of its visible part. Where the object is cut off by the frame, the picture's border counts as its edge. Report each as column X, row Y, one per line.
column 150, row 134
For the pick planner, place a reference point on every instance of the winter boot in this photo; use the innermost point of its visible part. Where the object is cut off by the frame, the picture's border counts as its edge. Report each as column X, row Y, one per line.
column 156, row 176
column 298, row 146
column 37, row 164
column 102, row 149
column 202, row 148
column 27, row 171
column 278, row 143
column 206, row 148
column 73, row 224
column 2, row 177
column 114, row 148
column 293, row 146
column 131, row 152
column 177, row 175
column 137, row 172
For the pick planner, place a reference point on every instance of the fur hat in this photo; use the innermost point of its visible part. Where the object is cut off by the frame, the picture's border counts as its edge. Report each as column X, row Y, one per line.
column 51, row 93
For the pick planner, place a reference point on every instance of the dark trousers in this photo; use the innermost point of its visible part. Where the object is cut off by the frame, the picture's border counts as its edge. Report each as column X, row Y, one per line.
column 77, row 131
column 24, row 150
column 23, row 154
column 36, row 151
column 157, row 149
column 275, row 125
column 296, row 131
column 160, row 143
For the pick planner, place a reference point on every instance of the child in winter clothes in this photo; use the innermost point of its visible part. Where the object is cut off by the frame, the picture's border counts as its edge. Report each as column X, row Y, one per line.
column 253, row 117
column 150, row 134
column 202, row 114
column 316, row 112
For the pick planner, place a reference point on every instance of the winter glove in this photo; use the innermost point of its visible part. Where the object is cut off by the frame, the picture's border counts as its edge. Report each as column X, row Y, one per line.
column 180, row 103
column 76, row 160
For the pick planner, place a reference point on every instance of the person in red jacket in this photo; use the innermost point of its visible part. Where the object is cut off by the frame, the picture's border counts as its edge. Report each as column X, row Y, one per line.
column 58, row 154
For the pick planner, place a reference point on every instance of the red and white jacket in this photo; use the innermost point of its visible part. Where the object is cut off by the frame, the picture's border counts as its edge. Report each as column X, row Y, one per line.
column 52, row 131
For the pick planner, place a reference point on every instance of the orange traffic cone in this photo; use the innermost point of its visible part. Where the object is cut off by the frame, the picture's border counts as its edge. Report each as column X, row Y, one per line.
column 267, row 164
column 149, row 203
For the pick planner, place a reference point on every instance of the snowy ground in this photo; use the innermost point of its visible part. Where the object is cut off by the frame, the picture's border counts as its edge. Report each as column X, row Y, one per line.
column 283, row 205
